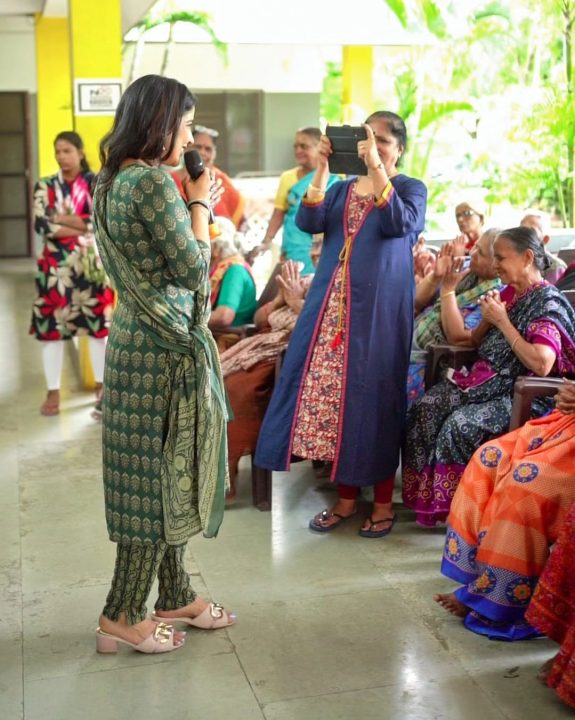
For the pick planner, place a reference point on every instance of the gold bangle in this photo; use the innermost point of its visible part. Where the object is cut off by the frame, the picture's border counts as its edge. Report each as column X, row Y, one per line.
column 444, row 295
column 377, row 167
column 316, row 189
column 517, row 339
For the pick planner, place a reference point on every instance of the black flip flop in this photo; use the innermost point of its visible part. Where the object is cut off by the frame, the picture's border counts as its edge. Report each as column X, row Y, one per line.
column 378, row 533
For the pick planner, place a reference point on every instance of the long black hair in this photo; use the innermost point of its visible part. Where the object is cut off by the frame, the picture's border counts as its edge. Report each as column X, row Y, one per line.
column 74, row 139
column 148, row 117
column 524, row 238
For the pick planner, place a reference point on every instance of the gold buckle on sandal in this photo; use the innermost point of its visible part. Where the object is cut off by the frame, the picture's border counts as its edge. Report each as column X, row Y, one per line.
column 163, row 633
column 216, row 610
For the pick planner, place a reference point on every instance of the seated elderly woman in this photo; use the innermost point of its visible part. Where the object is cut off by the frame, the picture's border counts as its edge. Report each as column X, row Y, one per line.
column 470, row 222
column 451, row 315
column 249, row 366
column 507, row 512
column 233, row 290
column 528, row 329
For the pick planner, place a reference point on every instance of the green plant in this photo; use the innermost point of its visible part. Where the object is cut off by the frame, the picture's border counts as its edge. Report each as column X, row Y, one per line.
column 160, row 15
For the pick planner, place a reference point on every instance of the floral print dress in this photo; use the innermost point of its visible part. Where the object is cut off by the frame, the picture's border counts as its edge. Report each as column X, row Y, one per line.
column 318, row 418
column 68, row 303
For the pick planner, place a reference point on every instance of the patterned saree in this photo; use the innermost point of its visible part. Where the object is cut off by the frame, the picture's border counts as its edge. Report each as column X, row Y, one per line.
column 507, row 512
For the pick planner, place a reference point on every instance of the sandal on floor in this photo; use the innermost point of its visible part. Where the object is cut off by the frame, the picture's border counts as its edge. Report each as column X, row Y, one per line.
column 326, row 515
column 49, row 409
column 159, row 641
column 96, row 413
column 371, row 533
column 211, row 618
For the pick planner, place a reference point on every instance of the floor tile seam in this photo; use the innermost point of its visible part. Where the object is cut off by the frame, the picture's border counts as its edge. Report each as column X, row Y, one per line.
column 315, row 596
column 359, row 688
column 249, row 682
column 57, row 589
column 21, row 590
column 490, row 699
column 146, row 661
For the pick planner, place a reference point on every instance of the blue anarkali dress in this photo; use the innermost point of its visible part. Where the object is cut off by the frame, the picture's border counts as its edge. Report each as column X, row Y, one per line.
column 371, row 271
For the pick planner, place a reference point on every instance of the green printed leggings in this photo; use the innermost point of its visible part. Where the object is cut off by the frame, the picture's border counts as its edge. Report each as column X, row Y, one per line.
column 137, row 566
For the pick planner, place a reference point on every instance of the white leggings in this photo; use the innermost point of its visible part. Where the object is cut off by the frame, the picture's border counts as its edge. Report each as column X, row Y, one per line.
column 53, row 359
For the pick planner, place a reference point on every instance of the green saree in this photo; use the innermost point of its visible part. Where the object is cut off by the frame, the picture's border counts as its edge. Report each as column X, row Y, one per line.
column 164, row 409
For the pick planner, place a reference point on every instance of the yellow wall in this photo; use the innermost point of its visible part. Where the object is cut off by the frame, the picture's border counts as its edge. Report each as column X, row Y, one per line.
column 54, row 87
column 96, row 37
column 96, row 52
column 357, row 77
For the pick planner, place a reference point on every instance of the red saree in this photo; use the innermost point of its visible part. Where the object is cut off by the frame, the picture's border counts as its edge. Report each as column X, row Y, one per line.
column 552, row 610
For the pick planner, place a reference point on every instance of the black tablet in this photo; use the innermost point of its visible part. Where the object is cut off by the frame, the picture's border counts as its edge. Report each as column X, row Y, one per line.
column 344, row 159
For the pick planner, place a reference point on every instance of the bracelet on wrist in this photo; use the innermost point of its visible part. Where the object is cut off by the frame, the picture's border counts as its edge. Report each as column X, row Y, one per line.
column 517, row 339
column 444, row 295
column 377, row 167
column 203, row 203
column 316, row 189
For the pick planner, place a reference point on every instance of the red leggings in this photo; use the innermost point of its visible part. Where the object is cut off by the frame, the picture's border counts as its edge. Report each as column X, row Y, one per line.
column 382, row 492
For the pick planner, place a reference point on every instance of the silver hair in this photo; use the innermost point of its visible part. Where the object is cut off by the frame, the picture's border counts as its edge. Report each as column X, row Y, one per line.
column 491, row 234
column 226, row 246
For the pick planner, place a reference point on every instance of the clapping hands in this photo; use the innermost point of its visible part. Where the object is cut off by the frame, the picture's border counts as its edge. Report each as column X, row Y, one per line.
column 290, row 284
column 493, row 309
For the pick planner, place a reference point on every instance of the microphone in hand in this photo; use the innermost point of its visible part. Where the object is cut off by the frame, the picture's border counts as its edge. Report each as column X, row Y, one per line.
column 194, row 164
column 195, row 167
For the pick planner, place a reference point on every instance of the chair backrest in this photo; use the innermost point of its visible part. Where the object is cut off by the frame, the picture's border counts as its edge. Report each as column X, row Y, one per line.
column 525, row 390
column 566, row 254
column 570, row 295
column 270, row 290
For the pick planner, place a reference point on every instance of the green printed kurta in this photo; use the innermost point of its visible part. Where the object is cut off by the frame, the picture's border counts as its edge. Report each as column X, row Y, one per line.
column 164, row 452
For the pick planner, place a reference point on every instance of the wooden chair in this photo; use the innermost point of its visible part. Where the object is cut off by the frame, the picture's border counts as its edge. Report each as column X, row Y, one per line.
column 525, row 390
column 566, row 254
column 262, row 478
column 570, row 295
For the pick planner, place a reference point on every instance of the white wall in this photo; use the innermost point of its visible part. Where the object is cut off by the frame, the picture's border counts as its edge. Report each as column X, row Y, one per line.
column 271, row 68
column 17, row 54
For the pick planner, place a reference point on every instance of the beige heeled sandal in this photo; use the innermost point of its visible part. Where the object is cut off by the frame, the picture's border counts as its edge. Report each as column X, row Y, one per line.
column 159, row 641
column 211, row 618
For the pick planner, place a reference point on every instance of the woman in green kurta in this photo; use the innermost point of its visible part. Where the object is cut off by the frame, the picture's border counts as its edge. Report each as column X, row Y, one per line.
column 164, row 412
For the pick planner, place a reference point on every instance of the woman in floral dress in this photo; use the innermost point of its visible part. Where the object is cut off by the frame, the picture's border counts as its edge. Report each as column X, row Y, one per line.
column 73, row 296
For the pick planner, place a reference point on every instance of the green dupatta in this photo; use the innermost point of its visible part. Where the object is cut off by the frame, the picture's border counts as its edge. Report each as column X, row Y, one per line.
column 428, row 325
column 194, row 471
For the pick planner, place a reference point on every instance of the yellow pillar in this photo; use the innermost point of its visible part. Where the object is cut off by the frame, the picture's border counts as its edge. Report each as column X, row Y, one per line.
column 54, row 83
column 96, row 52
column 357, row 79
column 96, row 41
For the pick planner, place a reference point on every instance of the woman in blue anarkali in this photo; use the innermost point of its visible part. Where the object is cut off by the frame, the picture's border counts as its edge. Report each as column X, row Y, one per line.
column 341, row 396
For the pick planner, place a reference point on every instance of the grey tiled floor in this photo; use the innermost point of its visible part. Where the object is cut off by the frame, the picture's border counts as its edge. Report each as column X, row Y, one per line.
column 331, row 626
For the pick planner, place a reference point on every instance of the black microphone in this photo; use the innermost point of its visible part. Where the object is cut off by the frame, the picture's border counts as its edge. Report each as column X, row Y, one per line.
column 195, row 167
column 194, row 163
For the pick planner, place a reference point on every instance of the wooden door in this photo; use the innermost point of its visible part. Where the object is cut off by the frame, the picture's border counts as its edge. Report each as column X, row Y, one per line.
column 15, row 189
column 237, row 116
